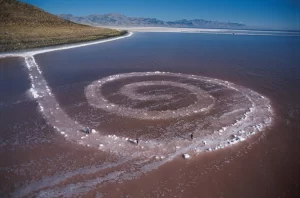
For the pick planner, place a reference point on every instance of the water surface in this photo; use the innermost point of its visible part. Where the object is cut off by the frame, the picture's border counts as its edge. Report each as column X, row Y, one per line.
column 34, row 154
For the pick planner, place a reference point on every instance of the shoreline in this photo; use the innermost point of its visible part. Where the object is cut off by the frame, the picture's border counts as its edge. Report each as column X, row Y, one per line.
column 15, row 39
column 128, row 31
column 204, row 31
column 24, row 26
column 34, row 51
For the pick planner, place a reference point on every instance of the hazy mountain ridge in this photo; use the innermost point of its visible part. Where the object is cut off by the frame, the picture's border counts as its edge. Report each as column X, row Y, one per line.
column 122, row 20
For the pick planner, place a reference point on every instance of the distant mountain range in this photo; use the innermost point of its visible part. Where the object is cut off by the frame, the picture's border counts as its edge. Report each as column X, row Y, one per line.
column 122, row 20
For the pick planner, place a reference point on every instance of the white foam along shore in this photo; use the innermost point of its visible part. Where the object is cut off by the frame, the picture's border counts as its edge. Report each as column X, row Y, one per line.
column 205, row 31
column 32, row 52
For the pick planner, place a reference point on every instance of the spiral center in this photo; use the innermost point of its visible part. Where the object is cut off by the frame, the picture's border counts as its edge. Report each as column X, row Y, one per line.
column 151, row 100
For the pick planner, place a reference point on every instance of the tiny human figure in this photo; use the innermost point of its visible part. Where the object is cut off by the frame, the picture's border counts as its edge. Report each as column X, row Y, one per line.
column 192, row 136
column 137, row 141
column 87, row 130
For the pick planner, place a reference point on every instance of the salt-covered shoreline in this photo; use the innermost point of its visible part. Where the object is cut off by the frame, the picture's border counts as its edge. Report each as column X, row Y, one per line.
column 205, row 31
column 32, row 52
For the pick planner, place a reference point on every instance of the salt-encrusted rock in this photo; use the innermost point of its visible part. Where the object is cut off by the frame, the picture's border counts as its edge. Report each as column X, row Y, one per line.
column 132, row 141
column 185, row 156
column 242, row 139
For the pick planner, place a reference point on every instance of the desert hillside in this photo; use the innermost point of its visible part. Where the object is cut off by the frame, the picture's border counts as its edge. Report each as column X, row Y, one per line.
column 25, row 26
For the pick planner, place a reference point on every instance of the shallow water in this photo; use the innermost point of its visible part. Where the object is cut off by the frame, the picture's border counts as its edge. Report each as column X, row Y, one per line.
column 40, row 160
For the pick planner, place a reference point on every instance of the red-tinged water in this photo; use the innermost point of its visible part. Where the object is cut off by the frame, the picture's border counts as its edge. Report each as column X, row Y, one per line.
column 237, row 92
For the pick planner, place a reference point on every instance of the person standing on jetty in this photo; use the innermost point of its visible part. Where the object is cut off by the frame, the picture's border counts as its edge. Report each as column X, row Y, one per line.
column 87, row 130
column 192, row 136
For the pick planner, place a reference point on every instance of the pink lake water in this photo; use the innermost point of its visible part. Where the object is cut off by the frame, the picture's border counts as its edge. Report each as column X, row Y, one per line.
column 238, row 95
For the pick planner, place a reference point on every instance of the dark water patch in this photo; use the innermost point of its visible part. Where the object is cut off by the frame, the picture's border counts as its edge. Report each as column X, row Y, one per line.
column 14, row 80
